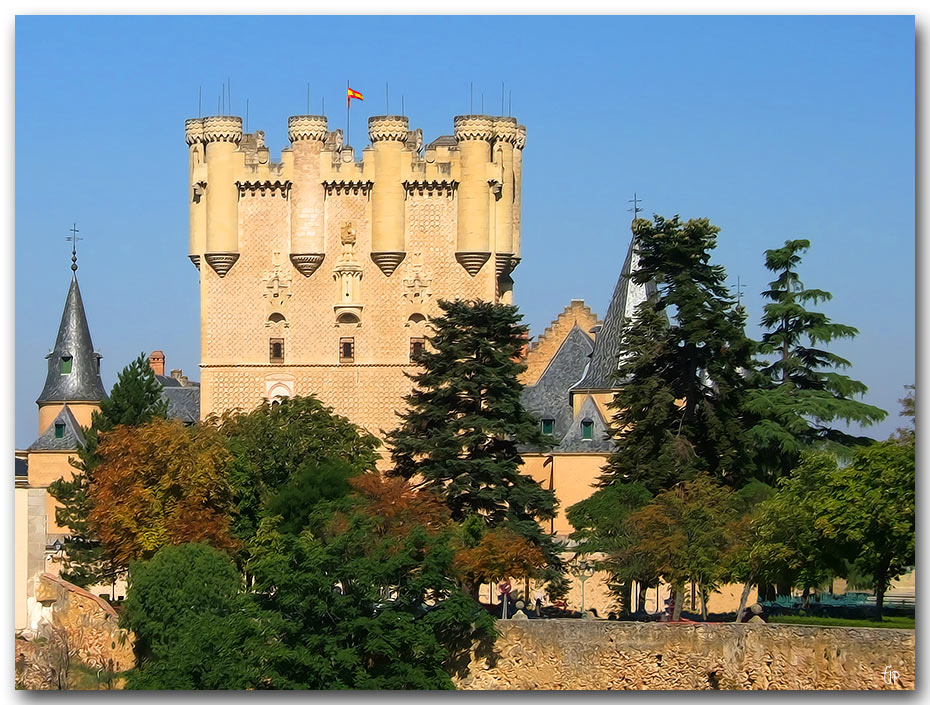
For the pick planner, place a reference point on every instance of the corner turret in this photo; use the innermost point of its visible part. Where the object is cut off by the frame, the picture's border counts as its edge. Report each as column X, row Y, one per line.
column 221, row 135
column 388, row 135
column 307, row 134
column 73, row 366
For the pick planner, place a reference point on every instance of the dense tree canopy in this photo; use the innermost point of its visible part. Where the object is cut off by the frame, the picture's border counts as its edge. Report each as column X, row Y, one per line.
column 135, row 399
column 461, row 432
column 683, row 360
column 159, row 484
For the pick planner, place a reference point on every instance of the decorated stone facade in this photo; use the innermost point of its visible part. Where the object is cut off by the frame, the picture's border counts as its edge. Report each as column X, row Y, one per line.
column 318, row 272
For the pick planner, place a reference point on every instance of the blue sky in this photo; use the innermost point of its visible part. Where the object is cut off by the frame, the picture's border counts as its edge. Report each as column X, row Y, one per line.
column 772, row 127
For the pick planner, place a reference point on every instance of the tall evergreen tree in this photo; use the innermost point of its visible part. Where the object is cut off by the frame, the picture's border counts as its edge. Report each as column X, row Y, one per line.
column 682, row 366
column 135, row 399
column 801, row 393
column 465, row 420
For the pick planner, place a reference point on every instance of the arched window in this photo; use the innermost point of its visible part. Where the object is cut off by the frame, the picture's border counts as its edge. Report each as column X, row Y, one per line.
column 276, row 318
column 347, row 318
column 416, row 318
column 64, row 366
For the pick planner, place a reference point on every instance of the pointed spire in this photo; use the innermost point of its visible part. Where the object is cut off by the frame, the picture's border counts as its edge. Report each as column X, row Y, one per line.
column 73, row 366
column 627, row 296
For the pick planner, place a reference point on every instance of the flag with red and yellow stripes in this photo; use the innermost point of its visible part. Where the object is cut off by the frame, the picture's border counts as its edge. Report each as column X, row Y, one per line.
column 350, row 94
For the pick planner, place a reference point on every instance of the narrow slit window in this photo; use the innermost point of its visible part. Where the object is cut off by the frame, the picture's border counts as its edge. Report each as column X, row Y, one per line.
column 347, row 350
column 417, row 346
column 548, row 426
column 587, row 430
column 276, row 351
column 59, row 430
column 64, row 365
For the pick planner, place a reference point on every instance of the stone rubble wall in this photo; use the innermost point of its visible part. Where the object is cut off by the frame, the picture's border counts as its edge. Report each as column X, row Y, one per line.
column 75, row 633
column 567, row 654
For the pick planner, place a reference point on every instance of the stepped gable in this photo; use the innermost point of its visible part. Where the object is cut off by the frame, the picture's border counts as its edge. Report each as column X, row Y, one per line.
column 626, row 297
column 82, row 382
column 544, row 348
column 71, row 437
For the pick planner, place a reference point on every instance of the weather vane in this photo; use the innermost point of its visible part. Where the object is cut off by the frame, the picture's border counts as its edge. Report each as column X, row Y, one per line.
column 73, row 239
column 635, row 210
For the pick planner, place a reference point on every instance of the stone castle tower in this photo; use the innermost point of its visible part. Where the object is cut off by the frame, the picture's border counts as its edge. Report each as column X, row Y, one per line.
column 317, row 273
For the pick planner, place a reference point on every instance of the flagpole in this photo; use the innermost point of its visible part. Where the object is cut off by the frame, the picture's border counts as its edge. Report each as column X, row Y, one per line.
column 348, row 102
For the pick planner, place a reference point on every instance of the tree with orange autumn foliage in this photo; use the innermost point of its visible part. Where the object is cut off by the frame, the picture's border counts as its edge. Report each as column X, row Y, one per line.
column 160, row 484
column 498, row 553
column 397, row 507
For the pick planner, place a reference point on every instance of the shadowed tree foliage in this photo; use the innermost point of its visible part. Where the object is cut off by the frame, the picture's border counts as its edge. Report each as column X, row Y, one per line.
column 135, row 399
column 801, row 394
column 159, row 484
column 464, row 421
column 293, row 448
column 683, row 360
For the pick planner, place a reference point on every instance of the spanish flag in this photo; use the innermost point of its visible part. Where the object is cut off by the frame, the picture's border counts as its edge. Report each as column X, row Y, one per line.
column 350, row 94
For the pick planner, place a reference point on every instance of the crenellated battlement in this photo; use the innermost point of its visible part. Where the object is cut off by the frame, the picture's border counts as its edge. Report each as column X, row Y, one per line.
column 478, row 167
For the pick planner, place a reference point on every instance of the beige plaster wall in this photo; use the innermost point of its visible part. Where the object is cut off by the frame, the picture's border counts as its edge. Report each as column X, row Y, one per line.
column 44, row 468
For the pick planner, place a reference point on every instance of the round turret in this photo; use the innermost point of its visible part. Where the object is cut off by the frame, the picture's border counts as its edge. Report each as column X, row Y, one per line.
column 307, row 127
column 193, row 131
column 383, row 128
column 222, row 128
column 473, row 127
column 506, row 129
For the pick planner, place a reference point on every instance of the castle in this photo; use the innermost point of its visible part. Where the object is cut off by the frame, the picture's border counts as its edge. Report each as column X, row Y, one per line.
column 317, row 274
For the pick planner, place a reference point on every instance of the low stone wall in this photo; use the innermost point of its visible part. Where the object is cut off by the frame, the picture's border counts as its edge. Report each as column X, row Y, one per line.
column 76, row 642
column 569, row 654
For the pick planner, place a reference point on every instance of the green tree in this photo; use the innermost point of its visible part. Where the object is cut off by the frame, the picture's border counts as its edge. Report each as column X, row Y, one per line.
column 600, row 523
column 685, row 532
column 787, row 544
column 192, row 625
column 353, row 603
column 869, row 505
column 801, row 394
column 682, row 366
column 135, row 399
column 284, row 450
column 465, row 420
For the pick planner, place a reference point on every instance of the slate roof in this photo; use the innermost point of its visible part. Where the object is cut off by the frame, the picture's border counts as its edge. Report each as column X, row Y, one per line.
column 83, row 383
column 548, row 398
column 627, row 295
column 183, row 402
column 443, row 141
column 72, row 436
column 572, row 442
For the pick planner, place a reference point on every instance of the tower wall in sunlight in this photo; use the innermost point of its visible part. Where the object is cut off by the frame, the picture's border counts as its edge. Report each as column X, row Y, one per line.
column 318, row 272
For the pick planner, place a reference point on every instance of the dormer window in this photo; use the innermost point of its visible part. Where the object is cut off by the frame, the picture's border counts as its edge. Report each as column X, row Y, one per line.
column 59, row 429
column 587, row 430
column 548, row 426
column 64, row 365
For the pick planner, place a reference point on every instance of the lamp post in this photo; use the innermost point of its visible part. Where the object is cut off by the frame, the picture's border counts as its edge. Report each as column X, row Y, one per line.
column 581, row 570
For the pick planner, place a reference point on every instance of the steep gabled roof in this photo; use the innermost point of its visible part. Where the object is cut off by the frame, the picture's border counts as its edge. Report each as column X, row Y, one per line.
column 83, row 382
column 72, row 435
column 627, row 296
column 183, row 403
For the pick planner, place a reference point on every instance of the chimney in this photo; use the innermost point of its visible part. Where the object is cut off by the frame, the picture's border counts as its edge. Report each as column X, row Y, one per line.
column 157, row 362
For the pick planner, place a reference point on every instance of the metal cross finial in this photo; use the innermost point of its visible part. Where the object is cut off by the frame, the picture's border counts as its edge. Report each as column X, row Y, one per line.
column 635, row 210
column 739, row 291
column 73, row 239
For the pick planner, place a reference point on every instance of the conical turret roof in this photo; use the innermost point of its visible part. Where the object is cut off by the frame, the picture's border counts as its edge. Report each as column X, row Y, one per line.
column 79, row 380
